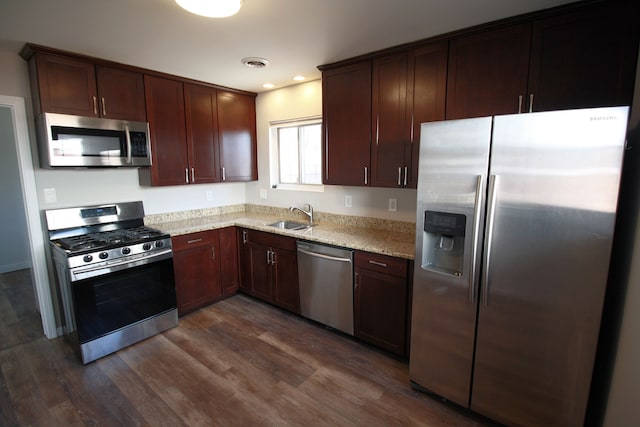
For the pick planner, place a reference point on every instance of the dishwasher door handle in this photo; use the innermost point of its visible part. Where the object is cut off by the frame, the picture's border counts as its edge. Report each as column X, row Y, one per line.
column 332, row 258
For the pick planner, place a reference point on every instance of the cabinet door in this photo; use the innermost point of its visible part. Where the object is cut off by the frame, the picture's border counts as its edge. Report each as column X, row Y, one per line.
column 66, row 85
column 346, row 120
column 120, row 94
column 584, row 59
column 380, row 301
column 229, row 268
column 165, row 110
column 390, row 133
column 426, row 98
column 202, row 133
column 257, row 271
column 488, row 72
column 196, row 262
column 285, row 280
column 237, row 136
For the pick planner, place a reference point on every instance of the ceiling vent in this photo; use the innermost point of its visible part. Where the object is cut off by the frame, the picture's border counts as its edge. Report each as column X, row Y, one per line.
column 254, row 62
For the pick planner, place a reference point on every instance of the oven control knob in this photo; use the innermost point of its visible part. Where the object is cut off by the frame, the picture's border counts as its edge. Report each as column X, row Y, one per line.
column 126, row 251
column 159, row 244
column 104, row 255
column 146, row 246
column 87, row 258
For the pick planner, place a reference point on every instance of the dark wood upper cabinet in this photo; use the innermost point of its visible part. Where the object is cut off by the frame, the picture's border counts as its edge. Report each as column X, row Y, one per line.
column 580, row 58
column 584, row 59
column 72, row 86
column 120, row 94
column 426, row 99
column 487, row 72
column 165, row 111
column 237, row 136
column 389, row 130
column 346, row 121
column 202, row 133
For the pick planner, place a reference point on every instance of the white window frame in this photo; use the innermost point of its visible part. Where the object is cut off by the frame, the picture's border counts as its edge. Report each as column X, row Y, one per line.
column 274, row 154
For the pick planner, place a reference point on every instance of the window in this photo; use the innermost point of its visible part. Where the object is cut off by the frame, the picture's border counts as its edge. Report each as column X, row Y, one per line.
column 296, row 153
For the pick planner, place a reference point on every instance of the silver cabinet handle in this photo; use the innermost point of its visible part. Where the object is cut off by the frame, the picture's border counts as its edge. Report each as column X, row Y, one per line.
column 193, row 174
column 379, row 264
column 193, row 241
column 244, row 236
column 366, row 179
column 186, row 175
column 329, row 257
column 104, row 106
column 399, row 176
column 491, row 211
column 406, row 172
column 520, row 104
column 473, row 283
column 127, row 133
column 531, row 103
column 269, row 257
column 95, row 106
column 273, row 258
column 355, row 282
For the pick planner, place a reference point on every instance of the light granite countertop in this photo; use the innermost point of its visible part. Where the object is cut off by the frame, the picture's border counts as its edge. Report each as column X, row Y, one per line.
column 394, row 238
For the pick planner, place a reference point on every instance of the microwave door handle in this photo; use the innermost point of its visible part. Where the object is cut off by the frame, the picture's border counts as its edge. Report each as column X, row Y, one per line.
column 128, row 137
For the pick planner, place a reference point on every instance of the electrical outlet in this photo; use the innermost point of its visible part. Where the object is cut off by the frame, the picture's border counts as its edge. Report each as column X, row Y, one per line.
column 263, row 193
column 209, row 195
column 393, row 205
column 347, row 201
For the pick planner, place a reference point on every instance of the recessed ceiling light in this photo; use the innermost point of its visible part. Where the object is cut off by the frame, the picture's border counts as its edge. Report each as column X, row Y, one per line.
column 255, row 62
column 211, row 8
column 299, row 78
column 268, row 86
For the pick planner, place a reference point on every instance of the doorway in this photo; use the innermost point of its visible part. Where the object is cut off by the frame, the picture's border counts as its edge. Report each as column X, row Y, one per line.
column 15, row 126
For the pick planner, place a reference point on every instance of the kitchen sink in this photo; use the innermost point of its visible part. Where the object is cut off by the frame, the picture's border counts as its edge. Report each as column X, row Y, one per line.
column 289, row 225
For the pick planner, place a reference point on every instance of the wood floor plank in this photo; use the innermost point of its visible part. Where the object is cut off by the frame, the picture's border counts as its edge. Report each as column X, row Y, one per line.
column 239, row 362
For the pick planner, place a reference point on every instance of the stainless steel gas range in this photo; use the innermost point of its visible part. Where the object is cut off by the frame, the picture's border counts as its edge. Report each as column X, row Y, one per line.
column 114, row 274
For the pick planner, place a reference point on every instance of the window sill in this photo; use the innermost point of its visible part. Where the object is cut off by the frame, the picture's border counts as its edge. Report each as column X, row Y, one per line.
column 300, row 187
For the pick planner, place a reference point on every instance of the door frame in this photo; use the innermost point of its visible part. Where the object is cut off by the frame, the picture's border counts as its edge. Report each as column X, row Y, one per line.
column 39, row 271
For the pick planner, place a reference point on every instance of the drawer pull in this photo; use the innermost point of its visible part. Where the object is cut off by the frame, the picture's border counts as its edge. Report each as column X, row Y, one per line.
column 194, row 241
column 379, row 264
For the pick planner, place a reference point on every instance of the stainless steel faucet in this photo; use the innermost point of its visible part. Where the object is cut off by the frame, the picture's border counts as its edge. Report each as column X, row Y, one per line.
column 308, row 212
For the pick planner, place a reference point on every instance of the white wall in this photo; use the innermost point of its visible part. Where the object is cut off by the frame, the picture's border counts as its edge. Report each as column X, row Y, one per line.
column 305, row 100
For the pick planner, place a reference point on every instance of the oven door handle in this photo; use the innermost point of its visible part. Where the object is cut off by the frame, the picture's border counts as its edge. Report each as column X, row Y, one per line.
column 85, row 273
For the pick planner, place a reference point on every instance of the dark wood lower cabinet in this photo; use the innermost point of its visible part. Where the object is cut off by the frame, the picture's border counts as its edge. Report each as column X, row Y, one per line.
column 380, row 301
column 270, row 269
column 205, row 266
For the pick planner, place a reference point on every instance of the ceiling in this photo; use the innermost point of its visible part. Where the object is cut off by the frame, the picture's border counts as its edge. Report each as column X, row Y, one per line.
column 294, row 35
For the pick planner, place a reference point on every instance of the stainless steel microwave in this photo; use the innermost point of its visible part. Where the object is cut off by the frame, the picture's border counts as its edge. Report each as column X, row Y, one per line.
column 77, row 141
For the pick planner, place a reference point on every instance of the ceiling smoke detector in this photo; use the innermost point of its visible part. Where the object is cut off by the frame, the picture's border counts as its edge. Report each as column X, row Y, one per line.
column 254, row 62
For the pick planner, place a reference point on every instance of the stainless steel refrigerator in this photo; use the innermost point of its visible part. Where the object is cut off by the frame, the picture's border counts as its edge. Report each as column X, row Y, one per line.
column 515, row 219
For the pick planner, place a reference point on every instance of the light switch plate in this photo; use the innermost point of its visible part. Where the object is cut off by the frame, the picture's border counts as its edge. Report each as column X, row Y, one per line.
column 393, row 205
column 263, row 193
column 50, row 195
column 347, row 201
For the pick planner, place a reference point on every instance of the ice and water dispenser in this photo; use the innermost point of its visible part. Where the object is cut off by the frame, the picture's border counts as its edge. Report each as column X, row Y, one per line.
column 443, row 242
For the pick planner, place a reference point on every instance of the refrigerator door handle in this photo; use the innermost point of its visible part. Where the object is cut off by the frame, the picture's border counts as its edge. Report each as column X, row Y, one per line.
column 473, row 285
column 489, row 236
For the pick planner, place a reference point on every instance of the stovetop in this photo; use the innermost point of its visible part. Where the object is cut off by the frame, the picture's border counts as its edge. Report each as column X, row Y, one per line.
column 107, row 239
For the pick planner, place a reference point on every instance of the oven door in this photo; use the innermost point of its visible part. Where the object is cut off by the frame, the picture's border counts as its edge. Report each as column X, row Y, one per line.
column 108, row 303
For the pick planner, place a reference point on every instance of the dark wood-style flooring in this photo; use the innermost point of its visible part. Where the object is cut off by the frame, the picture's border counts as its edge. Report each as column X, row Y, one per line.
column 237, row 362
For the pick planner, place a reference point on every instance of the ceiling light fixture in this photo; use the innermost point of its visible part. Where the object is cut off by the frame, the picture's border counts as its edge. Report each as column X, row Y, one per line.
column 268, row 85
column 299, row 78
column 211, row 8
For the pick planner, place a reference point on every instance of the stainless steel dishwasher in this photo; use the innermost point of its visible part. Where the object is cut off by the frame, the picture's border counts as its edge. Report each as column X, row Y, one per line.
column 325, row 275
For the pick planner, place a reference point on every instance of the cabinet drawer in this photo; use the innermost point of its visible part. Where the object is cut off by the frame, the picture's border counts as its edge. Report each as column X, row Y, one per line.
column 193, row 239
column 381, row 263
column 269, row 239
